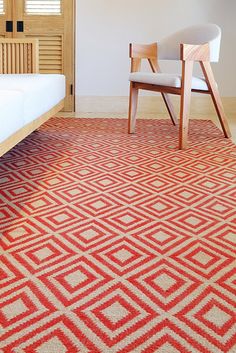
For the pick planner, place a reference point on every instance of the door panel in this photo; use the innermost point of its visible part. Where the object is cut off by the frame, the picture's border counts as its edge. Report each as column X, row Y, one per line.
column 50, row 57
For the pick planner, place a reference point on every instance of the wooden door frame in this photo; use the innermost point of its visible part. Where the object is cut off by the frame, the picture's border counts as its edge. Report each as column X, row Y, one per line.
column 73, row 19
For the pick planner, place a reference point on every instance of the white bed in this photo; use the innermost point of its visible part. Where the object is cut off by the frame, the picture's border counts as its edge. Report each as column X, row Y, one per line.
column 11, row 112
column 41, row 92
column 26, row 102
column 27, row 98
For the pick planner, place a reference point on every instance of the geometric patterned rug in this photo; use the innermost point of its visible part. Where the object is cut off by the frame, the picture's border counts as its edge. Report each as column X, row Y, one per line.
column 118, row 243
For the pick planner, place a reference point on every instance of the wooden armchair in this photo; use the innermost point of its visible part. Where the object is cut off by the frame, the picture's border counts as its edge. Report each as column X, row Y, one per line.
column 202, row 44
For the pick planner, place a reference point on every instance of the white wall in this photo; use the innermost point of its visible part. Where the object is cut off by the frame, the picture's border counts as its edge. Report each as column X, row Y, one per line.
column 105, row 27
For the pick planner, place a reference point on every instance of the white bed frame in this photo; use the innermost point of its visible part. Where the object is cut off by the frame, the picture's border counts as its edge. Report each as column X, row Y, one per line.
column 19, row 56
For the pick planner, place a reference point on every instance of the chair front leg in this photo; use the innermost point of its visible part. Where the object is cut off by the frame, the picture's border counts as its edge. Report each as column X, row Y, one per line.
column 133, row 103
column 215, row 95
column 187, row 70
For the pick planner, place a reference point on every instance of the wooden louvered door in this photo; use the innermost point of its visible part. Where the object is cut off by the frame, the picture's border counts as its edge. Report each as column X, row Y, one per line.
column 52, row 21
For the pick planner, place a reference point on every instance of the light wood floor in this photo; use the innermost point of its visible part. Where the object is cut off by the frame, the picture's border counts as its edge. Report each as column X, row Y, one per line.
column 152, row 107
column 231, row 118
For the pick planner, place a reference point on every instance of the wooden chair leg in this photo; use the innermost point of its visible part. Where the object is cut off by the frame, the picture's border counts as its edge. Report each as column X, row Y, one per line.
column 133, row 103
column 156, row 68
column 170, row 108
column 187, row 70
column 207, row 70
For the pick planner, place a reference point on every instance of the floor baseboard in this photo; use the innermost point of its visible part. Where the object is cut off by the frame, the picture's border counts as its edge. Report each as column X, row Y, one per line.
column 200, row 106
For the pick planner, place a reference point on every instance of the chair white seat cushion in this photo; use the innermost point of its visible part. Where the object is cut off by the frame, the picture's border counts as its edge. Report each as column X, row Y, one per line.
column 163, row 79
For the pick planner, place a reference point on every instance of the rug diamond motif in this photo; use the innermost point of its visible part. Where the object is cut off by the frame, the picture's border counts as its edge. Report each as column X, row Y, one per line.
column 14, row 309
column 115, row 313
column 214, row 317
column 109, row 327
column 52, row 345
column 217, row 316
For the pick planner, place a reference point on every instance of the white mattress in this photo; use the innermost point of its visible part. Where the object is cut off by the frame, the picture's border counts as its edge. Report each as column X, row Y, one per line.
column 41, row 91
column 11, row 112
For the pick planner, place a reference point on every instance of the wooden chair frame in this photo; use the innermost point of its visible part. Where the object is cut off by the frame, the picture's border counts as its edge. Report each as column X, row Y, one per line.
column 188, row 55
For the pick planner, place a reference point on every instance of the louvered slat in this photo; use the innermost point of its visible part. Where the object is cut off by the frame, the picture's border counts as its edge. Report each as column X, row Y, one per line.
column 43, row 7
column 50, row 54
column 1, row 7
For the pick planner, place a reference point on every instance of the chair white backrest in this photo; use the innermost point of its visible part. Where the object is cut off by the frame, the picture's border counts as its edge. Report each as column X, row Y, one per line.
column 169, row 47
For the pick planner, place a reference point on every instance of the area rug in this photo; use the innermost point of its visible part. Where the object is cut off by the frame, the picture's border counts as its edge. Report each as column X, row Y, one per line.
column 118, row 243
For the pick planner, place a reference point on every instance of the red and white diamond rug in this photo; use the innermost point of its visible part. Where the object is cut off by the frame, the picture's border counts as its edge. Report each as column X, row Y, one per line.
column 115, row 243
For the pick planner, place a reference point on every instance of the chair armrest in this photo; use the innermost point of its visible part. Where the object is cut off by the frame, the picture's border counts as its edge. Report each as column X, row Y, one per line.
column 191, row 52
column 143, row 51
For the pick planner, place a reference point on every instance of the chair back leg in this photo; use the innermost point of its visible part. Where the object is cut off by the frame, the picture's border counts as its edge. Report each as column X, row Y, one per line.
column 133, row 103
column 215, row 95
column 187, row 70
column 170, row 108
